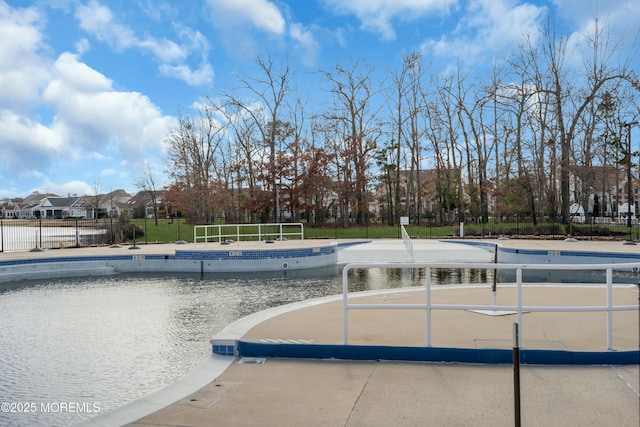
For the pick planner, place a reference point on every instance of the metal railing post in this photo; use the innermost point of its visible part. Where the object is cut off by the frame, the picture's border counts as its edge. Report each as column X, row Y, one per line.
column 610, row 309
column 427, row 285
column 519, row 302
column 345, row 316
column 516, row 375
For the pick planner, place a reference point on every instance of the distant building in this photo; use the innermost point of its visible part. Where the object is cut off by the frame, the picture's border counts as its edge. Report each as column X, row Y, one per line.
column 56, row 207
column 47, row 206
column 141, row 205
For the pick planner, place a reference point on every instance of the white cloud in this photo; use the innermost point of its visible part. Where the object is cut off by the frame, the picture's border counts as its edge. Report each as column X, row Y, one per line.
column 163, row 49
column 82, row 46
column 581, row 11
column 23, row 71
column 487, row 28
column 618, row 19
column 376, row 15
column 308, row 44
column 27, row 146
column 199, row 77
column 98, row 20
column 72, row 187
column 109, row 172
column 90, row 115
column 238, row 20
column 262, row 14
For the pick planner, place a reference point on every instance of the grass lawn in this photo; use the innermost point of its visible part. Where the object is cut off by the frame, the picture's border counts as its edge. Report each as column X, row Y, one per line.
column 173, row 230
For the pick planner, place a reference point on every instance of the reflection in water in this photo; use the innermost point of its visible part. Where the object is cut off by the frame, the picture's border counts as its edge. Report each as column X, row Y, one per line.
column 386, row 278
column 112, row 339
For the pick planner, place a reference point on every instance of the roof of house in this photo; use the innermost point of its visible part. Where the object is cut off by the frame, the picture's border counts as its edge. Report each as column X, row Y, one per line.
column 62, row 202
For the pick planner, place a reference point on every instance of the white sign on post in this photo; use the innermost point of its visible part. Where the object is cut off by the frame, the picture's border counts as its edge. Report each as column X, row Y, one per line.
column 404, row 220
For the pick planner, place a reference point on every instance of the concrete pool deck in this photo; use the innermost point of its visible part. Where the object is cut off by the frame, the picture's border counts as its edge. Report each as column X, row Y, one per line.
column 307, row 392
column 295, row 392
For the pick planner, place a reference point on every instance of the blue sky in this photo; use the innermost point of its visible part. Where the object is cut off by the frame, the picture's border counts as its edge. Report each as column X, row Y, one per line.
column 89, row 89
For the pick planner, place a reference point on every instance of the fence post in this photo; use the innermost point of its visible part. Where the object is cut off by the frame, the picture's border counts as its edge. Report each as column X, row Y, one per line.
column 427, row 289
column 516, row 375
column 609, row 276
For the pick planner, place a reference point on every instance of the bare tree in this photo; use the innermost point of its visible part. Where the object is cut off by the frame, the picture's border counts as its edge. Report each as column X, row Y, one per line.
column 192, row 152
column 266, row 105
column 570, row 101
column 352, row 119
column 96, row 199
column 147, row 183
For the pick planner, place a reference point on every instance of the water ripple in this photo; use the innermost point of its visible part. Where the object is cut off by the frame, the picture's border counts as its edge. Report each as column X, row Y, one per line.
column 102, row 342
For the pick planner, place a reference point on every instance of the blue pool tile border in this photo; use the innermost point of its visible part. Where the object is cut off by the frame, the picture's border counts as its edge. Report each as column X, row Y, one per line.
column 579, row 254
column 437, row 354
column 622, row 256
column 68, row 259
column 195, row 255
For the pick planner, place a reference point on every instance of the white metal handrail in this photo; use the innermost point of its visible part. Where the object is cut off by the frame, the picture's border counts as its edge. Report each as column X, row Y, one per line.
column 428, row 306
column 407, row 242
column 220, row 233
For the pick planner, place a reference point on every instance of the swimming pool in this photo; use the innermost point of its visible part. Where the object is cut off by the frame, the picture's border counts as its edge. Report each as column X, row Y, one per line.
column 100, row 342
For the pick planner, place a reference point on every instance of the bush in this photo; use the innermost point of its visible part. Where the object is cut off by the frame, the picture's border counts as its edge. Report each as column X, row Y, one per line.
column 131, row 232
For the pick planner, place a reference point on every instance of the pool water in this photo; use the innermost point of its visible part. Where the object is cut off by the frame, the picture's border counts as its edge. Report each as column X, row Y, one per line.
column 73, row 348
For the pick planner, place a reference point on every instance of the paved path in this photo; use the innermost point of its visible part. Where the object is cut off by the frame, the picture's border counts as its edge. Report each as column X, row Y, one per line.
column 287, row 392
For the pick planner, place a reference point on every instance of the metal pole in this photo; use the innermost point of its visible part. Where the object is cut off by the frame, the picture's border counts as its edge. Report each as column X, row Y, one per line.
column 277, row 219
column 609, row 275
column 519, row 297
column 179, row 231
column 494, row 288
column 629, row 180
column 516, row 375
column 628, row 159
column 427, row 288
column 345, row 308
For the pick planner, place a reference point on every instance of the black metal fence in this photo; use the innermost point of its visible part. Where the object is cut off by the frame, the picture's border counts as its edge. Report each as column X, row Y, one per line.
column 24, row 235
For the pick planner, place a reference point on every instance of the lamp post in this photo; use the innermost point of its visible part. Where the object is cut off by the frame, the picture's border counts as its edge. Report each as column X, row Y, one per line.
column 629, row 189
column 277, row 219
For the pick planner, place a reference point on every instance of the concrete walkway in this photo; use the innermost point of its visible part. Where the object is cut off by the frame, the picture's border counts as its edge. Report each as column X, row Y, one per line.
column 288, row 392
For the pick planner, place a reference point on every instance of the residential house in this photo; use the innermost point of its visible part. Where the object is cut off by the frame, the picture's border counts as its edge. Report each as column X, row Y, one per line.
column 56, row 207
column 602, row 191
column 10, row 208
column 27, row 208
column 141, row 205
column 111, row 205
